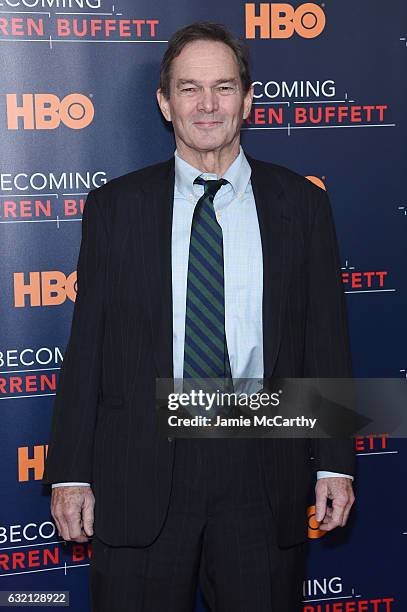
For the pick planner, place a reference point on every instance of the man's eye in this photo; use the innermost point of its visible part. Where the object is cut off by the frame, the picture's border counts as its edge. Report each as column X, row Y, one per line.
column 226, row 88
column 188, row 89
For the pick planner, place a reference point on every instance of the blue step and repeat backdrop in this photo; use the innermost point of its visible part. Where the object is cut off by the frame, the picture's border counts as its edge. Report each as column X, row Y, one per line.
column 77, row 108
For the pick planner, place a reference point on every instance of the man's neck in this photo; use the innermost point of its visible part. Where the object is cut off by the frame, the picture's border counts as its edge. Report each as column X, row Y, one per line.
column 213, row 162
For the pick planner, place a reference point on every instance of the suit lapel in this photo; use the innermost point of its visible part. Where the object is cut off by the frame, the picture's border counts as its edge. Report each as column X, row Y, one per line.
column 275, row 225
column 156, row 232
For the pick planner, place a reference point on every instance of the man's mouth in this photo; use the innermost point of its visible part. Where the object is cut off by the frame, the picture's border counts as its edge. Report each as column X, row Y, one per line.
column 207, row 124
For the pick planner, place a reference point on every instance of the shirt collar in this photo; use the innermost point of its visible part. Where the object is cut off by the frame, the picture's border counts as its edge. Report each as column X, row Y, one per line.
column 238, row 175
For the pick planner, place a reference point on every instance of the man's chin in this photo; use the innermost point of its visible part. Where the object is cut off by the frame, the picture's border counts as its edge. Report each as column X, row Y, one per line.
column 207, row 143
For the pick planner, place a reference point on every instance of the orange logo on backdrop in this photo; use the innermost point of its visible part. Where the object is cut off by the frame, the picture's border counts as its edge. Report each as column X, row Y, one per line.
column 31, row 458
column 314, row 531
column 282, row 20
column 46, row 111
column 317, row 181
column 49, row 288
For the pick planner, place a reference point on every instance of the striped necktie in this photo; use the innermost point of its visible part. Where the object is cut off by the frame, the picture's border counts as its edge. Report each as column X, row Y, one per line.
column 205, row 348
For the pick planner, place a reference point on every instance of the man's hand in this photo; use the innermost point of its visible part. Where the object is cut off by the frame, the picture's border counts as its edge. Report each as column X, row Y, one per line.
column 72, row 510
column 340, row 491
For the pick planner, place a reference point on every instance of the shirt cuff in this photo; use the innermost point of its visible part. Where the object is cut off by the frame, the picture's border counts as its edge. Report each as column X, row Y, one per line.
column 70, row 484
column 324, row 474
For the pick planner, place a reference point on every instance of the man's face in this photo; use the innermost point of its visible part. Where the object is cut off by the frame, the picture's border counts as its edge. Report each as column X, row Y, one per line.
column 206, row 104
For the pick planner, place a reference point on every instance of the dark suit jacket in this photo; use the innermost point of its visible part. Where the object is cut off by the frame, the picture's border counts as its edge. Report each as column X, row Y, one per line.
column 104, row 428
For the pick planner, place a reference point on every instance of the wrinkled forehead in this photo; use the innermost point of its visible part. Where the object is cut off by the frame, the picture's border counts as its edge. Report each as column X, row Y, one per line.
column 205, row 61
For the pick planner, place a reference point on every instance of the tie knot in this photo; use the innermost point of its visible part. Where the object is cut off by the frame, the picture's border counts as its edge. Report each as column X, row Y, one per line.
column 211, row 186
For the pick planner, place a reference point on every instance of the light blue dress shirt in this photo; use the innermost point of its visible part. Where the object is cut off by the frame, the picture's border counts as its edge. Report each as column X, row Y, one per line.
column 236, row 213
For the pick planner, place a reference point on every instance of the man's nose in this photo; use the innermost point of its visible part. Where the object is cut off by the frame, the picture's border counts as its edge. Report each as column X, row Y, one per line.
column 208, row 101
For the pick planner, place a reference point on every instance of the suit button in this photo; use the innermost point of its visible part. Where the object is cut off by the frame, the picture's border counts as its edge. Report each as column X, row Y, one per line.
column 170, row 439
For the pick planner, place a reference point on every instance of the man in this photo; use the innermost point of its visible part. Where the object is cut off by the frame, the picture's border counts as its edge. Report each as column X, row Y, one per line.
column 209, row 264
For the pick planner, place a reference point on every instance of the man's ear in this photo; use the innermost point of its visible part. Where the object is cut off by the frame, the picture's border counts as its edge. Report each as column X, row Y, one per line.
column 164, row 105
column 247, row 102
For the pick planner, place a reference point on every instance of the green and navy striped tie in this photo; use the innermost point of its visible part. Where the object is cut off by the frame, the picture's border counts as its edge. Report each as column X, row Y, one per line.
column 205, row 349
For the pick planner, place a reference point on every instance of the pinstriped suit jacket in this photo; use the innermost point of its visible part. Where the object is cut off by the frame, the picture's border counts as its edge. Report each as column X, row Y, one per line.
column 104, row 422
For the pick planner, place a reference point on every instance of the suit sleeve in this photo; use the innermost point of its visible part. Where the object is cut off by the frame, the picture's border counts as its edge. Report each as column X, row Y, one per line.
column 327, row 351
column 70, row 447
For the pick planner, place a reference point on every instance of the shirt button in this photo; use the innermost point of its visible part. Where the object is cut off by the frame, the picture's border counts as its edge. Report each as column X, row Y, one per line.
column 170, row 439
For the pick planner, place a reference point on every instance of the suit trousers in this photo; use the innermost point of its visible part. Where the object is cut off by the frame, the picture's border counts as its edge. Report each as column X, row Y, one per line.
column 219, row 534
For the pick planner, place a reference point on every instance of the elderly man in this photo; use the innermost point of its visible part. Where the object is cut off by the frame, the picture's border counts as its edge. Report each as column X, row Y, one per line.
column 210, row 264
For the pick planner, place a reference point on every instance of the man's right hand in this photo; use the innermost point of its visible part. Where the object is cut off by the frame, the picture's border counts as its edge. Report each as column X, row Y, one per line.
column 72, row 509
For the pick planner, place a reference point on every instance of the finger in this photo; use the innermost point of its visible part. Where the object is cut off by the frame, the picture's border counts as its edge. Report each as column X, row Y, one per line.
column 84, row 536
column 328, row 516
column 56, row 518
column 57, row 524
column 338, row 506
column 320, row 505
column 64, row 529
column 346, row 512
column 73, row 519
column 87, row 517
column 326, row 527
column 57, row 515
column 327, row 524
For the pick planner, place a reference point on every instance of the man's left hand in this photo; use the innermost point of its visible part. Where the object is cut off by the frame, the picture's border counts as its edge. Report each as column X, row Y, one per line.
column 340, row 491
